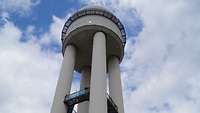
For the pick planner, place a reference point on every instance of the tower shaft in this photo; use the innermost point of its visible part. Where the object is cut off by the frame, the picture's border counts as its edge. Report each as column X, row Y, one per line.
column 98, row 103
column 64, row 81
column 85, row 83
column 115, row 87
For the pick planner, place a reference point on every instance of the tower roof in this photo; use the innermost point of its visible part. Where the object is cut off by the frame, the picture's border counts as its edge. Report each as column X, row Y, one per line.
column 94, row 7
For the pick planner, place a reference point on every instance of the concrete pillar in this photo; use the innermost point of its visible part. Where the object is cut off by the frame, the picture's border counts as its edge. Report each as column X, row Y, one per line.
column 64, row 81
column 115, row 87
column 98, row 100
column 83, row 107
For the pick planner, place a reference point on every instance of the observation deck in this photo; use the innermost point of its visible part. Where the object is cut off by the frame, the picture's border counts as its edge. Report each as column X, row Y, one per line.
column 80, row 28
column 94, row 10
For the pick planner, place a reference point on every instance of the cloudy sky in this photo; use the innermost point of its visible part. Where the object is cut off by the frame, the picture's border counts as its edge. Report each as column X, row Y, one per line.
column 160, row 70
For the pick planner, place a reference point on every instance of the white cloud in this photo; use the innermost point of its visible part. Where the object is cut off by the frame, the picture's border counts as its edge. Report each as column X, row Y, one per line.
column 19, row 6
column 27, row 75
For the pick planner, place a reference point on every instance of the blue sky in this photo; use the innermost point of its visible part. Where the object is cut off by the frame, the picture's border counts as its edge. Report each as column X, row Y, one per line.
column 41, row 15
column 160, row 70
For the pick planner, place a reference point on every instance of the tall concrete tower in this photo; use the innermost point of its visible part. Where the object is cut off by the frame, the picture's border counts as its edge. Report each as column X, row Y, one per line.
column 93, row 41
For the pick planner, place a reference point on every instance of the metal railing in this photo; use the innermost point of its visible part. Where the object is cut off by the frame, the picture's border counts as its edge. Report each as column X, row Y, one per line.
column 78, row 93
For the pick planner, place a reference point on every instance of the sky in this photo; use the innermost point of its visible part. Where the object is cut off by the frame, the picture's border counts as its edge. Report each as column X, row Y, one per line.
column 160, row 71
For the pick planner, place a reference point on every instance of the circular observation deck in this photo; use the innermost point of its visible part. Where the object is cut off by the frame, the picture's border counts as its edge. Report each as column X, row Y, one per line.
column 80, row 28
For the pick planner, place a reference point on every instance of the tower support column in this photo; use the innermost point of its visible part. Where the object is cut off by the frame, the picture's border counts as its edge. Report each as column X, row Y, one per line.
column 98, row 101
column 85, row 83
column 115, row 87
column 65, row 80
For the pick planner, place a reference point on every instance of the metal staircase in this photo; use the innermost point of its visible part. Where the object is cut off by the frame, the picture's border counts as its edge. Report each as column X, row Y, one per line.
column 83, row 95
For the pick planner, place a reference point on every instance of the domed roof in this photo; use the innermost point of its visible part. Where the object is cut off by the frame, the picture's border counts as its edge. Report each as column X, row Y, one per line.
column 94, row 7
